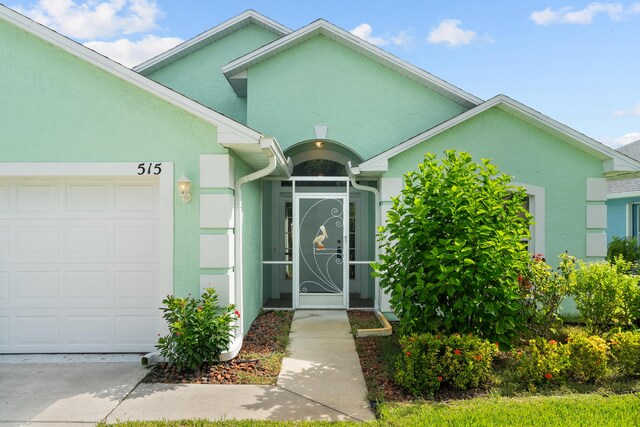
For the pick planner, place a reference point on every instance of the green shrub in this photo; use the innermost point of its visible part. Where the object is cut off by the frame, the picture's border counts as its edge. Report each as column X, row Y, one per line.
column 589, row 357
column 625, row 247
column 625, row 349
column 199, row 331
column 606, row 295
column 543, row 290
column 429, row 361
column 453, row 248
column 542, row 362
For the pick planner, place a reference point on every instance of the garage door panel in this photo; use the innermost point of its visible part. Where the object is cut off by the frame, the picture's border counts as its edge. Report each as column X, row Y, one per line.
column 89, row 198
column 36, row 330
column 79, row 264
column 38, row 197
column 136, row 197
column 87, row 240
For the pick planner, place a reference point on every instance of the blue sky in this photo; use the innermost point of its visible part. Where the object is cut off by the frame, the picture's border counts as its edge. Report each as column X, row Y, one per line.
column 575, row 61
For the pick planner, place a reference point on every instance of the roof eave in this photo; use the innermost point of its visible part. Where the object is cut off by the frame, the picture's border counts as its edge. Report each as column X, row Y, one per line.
column 210, row 36
column 321, row 27
column 613, row 162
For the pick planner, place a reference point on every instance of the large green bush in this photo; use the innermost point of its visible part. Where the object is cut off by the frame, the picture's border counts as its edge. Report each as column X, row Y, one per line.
column 625, row 349
column 453, row 248
column 589, row 357
column 606, row 294
column 199, row 330
column 542, row 362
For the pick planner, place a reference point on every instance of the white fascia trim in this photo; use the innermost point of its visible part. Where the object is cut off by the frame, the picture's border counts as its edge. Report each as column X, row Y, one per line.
column 210, row 36
column 501, row 101
column 626, row 195
column 232, row 69
column 127, row 75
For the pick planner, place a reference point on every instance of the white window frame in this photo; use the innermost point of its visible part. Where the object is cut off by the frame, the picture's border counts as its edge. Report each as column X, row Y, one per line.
column 537, row 210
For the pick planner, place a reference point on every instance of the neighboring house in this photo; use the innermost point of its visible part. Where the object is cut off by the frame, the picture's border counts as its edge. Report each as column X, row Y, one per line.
column 623, row 200
column 294, row 143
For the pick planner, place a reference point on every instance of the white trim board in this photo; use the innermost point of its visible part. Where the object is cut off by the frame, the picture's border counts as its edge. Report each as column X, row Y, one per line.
column 537, row 210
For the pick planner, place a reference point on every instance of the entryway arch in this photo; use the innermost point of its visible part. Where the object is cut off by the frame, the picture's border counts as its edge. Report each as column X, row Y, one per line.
column 318, row 235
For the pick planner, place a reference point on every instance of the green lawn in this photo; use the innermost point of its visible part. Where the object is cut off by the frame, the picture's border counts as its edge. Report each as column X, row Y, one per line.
column 567, row 410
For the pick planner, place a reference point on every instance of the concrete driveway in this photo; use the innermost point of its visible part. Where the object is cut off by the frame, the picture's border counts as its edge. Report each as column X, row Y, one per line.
column 64, row 388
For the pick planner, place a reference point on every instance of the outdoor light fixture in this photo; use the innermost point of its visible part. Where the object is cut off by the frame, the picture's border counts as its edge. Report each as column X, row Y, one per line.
column 319, row 144
column 184, row 187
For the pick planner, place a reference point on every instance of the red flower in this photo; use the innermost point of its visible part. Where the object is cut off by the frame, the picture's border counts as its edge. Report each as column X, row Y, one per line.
column 199, row 308
column 408, row 353
column 478, row 357
column 457, row 352
column 237, row 313
column 439, row 378
column 553, row 342
column 412, row 339
column 519, row 279
column 548, row 376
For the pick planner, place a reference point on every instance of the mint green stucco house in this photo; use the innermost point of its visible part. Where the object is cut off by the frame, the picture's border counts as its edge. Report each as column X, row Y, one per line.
column 294, row 143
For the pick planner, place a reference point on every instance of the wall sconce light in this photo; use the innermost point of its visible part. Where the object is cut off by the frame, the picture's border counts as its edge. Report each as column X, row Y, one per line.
column 184, row 188
column 319, row 144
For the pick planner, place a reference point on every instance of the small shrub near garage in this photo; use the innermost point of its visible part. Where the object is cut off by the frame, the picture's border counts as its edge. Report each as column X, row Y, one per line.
column 199, row 330
column 589, row 357
column 625, row 350
column 429, row 361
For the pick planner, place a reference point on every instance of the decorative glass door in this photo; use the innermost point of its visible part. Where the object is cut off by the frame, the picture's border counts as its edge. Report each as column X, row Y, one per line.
column 320, row 247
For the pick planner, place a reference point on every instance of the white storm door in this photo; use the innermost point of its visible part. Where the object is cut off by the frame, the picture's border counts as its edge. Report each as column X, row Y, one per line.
column 320, row 247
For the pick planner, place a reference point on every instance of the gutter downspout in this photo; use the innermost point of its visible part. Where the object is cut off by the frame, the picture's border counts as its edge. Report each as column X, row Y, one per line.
column 352, row 171
column 265, row 145
column 386, row 329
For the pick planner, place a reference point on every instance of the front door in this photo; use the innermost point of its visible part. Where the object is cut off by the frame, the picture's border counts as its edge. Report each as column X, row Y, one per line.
column 320, row 247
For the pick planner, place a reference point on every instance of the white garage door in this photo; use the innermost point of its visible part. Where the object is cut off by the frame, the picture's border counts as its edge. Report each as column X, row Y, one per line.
column 79, row 265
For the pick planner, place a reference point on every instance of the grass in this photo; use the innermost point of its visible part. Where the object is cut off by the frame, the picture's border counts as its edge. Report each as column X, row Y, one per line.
column 569, row 410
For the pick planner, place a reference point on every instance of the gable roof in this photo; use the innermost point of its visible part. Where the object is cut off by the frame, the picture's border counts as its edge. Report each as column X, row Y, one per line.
column 626, row 187
column 231, row 134
column 613, row 163
column 235, row 71
column 216, row 33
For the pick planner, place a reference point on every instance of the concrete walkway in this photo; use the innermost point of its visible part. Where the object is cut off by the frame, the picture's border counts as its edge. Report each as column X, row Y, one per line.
column 320, row 380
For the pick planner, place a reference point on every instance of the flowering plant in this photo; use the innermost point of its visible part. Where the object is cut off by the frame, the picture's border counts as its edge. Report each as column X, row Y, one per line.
column 199, row 330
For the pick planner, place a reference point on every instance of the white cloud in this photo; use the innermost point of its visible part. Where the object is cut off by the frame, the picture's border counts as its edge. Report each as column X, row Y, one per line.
column 95, row 19
column 403, row 38
column 615, row 12
column 450, row 33
column 625, row 139
column 365, row 32
column 130, row 53
column 634, row 111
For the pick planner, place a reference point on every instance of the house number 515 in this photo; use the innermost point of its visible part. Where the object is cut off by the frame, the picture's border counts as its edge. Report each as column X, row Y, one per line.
column 149, row 168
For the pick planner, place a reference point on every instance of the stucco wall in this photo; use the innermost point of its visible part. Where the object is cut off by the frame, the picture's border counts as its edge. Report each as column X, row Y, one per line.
column 366, row 106
column 530, row 156
column 199, row 76
column 617, row 216
column 57, row 108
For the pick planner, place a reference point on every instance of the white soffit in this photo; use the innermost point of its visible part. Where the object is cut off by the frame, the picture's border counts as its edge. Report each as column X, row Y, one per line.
column 216, row 33
column 233, row 71
column 613, row 162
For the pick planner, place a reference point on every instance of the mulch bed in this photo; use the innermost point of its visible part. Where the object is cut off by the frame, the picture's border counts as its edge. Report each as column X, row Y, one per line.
column 259, row 344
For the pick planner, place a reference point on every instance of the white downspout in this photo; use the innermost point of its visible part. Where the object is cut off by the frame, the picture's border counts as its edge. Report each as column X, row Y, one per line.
column 236, row 344
column 352, row 172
